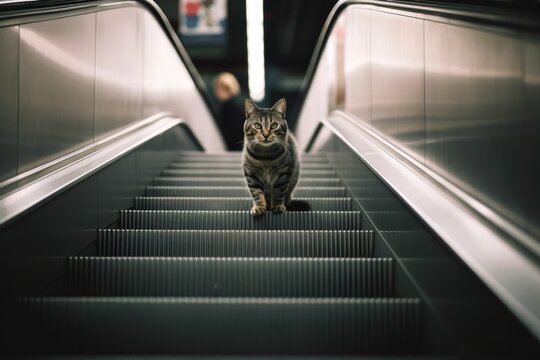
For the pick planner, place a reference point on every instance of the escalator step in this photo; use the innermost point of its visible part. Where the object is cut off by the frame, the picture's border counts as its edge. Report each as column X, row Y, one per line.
column 238, row 165
column 238, row 157
column 240, row 220
column 238, row 160
column 239, row 191
column 230, row 277
column 235, row 243
column 234, row 181
column 229, row 203
column 226, row 326
column 238, row 173
column 253, row 357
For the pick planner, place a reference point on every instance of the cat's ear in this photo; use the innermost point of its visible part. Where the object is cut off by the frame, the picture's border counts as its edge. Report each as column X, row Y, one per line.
column 280, row 106
column 249, row 107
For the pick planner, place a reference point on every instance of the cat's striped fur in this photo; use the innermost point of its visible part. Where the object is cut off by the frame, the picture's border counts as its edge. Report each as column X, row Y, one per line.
column 270, row 159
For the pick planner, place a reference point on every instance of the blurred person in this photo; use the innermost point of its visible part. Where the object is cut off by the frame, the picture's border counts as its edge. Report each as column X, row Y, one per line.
column 231, row 113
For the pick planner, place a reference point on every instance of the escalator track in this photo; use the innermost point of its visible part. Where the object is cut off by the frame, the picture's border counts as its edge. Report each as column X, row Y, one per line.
column 189, row 271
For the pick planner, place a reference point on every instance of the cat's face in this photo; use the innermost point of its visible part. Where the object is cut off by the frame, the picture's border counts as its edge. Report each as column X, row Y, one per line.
column 265, row 126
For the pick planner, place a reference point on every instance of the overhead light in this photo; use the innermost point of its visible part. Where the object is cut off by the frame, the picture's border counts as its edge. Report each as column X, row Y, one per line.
column 255, row 48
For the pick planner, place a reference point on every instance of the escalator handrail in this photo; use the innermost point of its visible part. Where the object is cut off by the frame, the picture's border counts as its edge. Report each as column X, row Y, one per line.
column 524, row 19
column 521, row 301
column 45, row 181
column 448, row 212
column 27, row 8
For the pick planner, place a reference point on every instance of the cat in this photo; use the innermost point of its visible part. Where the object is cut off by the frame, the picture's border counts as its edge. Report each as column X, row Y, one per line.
column 270, row 159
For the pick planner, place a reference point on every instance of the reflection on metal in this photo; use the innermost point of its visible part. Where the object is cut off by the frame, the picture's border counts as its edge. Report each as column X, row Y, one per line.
column 481, row 130
column 477, row 124
column 56, row 88
column 9, row 93
column 79, row 165
column 459, row 99
column 167, row 86
column 512, row 276
column 85, row 71
column 358, row 63
column 317, row 103
column 397, row 80
column 119, row 69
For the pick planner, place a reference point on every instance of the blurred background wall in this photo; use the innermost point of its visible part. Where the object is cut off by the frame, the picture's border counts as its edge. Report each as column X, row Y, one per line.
column 291, row 30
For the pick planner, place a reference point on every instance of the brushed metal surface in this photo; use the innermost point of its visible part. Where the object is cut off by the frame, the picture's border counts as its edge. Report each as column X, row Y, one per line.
column 358, row 63
column 162, row 77
column 33, row 249
column 530, row 134
column 397, row 80
column 117, row 183
column 168, row 86
column 482, row 119
column 99, row 155
column 9, row 94
column 317, row 102
column 119, row 69
column 514, row 277
column 55, row 116
column 463, row 100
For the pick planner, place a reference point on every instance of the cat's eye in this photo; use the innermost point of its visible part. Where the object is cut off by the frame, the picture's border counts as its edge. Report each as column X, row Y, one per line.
column 257, row 126
column 274, row 126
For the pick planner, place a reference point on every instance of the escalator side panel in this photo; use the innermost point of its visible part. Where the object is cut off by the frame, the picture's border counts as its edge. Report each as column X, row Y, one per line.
column 461, row 302
column 33, row 248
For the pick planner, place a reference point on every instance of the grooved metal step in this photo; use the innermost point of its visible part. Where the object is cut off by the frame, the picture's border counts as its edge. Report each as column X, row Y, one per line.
column 240, row 191
column 238, row 173
column 235, row 243
column 240, row 220
column 230, row 277
column 228, row 326
column 238, row 165
column 239, row 161
column 234, row 181
column 253, row 357
column 306, row 158
column 229, row 203
column 191, row 272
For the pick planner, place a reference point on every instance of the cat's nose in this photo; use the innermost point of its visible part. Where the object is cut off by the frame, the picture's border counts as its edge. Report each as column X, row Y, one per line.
column 266, row 133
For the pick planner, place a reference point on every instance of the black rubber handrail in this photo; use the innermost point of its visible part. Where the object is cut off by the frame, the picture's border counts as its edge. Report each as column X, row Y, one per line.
column 524, row 17
column 27, row 8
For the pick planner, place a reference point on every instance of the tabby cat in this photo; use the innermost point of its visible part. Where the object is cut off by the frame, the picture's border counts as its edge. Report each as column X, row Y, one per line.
column 271, row 163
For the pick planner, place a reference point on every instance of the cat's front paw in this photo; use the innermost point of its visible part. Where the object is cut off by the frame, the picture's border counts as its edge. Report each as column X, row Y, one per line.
column 278, row 209
column 257, row 210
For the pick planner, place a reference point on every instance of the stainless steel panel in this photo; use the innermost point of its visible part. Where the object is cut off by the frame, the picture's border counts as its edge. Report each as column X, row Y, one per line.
column 482, row 132
column 117, row 184
column 168, row 86
column 33, row 250
column 397, row 80
column 463, row 303
column 55, row 115
column 531, row 79
column 317, row 104
column 358, row 64
column 160, row 72
column 9, row 93
column 119, row 69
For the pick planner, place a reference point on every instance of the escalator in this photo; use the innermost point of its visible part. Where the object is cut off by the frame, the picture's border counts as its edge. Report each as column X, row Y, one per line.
column 128, row 232
column 190, row 271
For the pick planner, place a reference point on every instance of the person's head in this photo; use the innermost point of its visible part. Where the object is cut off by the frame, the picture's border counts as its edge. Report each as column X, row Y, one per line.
column 226, row 86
